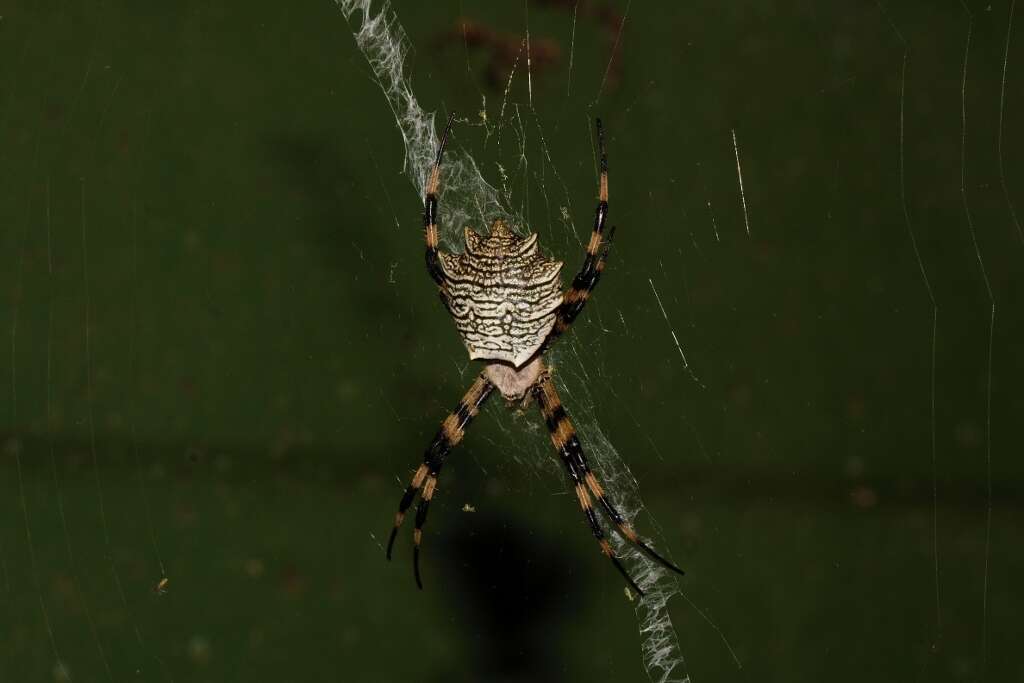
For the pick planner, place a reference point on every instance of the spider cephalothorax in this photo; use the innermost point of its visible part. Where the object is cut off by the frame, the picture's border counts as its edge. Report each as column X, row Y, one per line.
column 509, row 307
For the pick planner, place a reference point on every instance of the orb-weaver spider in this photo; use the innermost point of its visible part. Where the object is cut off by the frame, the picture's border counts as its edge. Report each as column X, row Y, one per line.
column 508, row 305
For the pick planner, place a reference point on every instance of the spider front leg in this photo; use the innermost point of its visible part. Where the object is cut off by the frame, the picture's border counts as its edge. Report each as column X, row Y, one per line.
column 564, row 438
column 430, row 210
column 597, row 253
column 452, row 430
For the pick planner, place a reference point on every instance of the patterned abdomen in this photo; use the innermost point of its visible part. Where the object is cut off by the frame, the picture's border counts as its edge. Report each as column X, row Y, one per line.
column 503, row 294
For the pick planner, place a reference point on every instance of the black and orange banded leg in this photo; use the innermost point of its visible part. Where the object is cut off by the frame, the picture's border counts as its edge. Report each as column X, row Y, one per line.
column 597, row 253
column 625, row 528
column 564, row 438
column 430, row 209
column 424, row 481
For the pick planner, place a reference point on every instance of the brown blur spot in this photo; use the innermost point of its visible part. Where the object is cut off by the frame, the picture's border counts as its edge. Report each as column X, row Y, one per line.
column 864, row 497
column 508, row 51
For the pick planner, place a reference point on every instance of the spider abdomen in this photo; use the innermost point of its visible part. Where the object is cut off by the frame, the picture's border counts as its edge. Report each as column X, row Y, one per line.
column 503, row 294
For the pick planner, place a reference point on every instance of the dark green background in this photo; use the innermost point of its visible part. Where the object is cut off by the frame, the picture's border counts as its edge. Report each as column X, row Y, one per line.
column 223, row 353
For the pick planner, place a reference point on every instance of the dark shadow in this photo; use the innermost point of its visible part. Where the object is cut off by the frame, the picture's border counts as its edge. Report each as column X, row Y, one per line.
column 514, row 591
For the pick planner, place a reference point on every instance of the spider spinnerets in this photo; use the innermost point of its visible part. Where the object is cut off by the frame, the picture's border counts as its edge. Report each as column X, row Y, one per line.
column 509, row 307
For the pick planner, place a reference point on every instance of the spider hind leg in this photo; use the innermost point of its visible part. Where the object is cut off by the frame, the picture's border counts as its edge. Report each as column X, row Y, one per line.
column 564, row 438
column 625, row 528
column 410, row 494
column 424, row 481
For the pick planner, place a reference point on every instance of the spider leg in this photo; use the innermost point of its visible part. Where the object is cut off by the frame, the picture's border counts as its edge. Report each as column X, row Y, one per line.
column 625, row 528
column 564, row 438
column 558, row 423
column 430, row 209
column 425, row 479
column 597, row 254
column 595, row 525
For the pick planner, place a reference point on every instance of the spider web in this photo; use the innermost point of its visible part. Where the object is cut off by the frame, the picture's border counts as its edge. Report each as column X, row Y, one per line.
column 217, row 365
column 468, row 199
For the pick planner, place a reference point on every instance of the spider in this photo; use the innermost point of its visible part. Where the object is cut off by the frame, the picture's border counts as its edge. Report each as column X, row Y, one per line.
column 508, row 305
